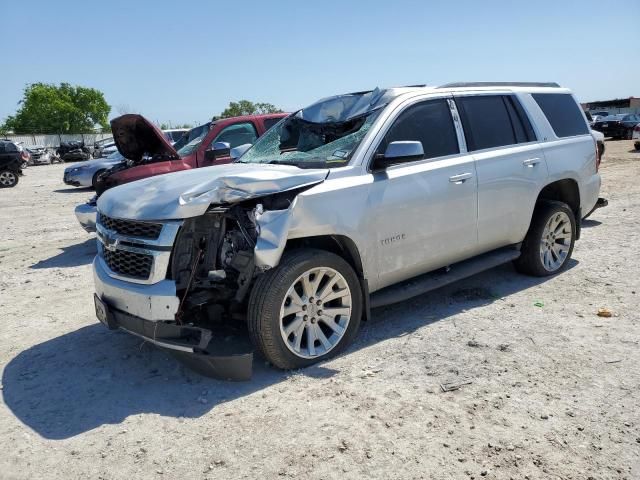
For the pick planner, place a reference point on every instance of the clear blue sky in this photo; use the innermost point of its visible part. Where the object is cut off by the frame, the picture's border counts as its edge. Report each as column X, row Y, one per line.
column 184, row 61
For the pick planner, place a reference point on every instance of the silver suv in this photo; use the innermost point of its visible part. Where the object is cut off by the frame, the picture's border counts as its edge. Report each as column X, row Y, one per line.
column 356, row 201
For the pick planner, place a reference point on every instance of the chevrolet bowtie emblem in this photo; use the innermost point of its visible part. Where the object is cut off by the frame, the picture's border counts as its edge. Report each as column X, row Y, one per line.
column 110, row 242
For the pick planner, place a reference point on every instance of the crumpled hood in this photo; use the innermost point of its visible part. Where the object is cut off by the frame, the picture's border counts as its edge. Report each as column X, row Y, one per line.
column 136, row 136
column 190, row 192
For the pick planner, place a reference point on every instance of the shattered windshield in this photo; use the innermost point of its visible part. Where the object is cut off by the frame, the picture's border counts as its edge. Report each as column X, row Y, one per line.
column 324, row 134
column 191, row 140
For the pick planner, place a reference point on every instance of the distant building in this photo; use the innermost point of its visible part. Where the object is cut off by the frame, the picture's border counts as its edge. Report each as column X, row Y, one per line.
column 619, row 105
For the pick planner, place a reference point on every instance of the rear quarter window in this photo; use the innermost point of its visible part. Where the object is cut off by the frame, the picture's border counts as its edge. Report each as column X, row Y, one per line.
column 563, row 114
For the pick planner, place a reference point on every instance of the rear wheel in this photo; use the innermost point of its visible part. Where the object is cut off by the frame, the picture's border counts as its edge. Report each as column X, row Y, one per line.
column 549, row 242
column 305, row 310
column 8, row 178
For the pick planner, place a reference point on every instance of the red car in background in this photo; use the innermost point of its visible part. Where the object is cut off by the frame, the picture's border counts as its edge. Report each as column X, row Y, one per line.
column 135, row 136
column 149, row 153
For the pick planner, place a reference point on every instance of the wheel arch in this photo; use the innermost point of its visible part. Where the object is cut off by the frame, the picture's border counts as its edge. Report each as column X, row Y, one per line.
column 345, row 248
column 565, row 190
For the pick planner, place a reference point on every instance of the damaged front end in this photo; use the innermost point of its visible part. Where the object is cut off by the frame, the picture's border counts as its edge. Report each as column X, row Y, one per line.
column 183, row 285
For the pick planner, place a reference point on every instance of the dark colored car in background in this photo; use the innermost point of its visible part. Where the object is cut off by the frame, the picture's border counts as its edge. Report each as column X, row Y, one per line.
column 73, row 151
column 12, row 157
column 617, row 126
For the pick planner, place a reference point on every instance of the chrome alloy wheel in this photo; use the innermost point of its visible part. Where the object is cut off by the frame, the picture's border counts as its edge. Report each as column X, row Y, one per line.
column 315, row 313
column 7, row 179
column 556, row 241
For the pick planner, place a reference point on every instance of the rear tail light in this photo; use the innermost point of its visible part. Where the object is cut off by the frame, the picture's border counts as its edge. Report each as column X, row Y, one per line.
column 637, row 128
column 24, row 155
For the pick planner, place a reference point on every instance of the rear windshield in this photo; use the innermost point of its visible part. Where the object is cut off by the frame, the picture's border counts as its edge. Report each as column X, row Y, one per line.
column 563, row 114
column 612, row 118
column 190, row 141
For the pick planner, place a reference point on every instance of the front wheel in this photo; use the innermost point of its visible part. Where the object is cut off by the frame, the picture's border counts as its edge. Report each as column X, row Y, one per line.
column 547, row 248
column 8, row 179
column 94, row 179
column 305, row 310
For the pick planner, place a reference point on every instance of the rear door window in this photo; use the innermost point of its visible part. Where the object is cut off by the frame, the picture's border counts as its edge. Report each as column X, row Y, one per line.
column 491, row 121
column 563, row 114
column 428, row 122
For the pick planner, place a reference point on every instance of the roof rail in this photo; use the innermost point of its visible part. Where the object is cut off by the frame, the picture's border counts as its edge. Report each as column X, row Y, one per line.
column 500, row 84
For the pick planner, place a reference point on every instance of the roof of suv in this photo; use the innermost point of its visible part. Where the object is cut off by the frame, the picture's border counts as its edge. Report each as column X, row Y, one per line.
column 479, row 86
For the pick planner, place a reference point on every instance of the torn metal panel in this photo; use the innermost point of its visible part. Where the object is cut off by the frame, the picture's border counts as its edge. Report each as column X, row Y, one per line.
column 189, row 193
column 272, row 237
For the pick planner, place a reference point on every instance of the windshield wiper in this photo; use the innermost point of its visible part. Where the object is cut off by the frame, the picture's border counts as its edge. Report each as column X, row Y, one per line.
column 310, row 164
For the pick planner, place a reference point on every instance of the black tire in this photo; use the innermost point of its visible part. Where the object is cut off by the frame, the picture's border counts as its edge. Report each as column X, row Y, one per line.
column 94, row 180
column 601, row 149
column 530, row 261
column 629, row 134
column 9, row 178
column 268, row 295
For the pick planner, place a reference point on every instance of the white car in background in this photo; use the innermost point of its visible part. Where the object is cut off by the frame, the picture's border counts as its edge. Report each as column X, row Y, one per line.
column 85, row 174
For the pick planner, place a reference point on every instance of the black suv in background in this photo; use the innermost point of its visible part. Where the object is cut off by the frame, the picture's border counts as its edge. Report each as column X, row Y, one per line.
column 11, row 158
column 617, row 126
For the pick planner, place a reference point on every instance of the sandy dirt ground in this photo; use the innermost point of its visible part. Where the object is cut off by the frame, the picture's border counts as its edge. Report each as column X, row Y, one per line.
column 547, row 389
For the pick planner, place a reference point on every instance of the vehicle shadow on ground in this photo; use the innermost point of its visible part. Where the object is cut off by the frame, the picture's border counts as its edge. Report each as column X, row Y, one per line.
column 71, row 256
column 91, row 377
column 590, row 223
column 74, row 190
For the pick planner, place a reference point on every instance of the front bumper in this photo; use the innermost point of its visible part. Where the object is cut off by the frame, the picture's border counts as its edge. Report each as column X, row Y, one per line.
column 154, row 302
column 148, row 312
column 77, row 179
column 86, row 215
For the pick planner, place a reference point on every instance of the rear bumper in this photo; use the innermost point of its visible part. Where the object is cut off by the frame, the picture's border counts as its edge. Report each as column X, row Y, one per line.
column 86, row 215
column 602, row 202
column 590, row 192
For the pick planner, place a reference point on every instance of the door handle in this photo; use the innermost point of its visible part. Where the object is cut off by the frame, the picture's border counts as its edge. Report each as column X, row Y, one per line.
column 531, row 162
column 460, row 178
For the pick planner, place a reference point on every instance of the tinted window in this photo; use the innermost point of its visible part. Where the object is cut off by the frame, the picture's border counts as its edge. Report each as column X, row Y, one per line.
column 2, row 144
column 563, row 113
column 428, row 122
column 270, row 122
column 237, row 134
column 487, row 122
column 10, row 147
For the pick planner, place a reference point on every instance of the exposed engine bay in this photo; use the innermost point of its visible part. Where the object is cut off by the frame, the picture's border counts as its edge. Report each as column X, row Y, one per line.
column 214, row 262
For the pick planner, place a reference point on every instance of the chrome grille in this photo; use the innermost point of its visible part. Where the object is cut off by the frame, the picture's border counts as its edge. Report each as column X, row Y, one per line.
column 131, row 228
column 130, row 264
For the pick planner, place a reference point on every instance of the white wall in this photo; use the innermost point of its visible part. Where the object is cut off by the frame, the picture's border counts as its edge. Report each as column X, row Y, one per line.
column 54, row 140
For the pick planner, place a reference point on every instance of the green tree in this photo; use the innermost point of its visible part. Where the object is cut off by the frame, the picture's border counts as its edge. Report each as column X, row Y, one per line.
column 64, row 108
column 245, row 107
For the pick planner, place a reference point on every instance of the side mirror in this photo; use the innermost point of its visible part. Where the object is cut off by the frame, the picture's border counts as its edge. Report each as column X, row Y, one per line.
column 400, row 152
column 238, row 151
column 220, row 149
